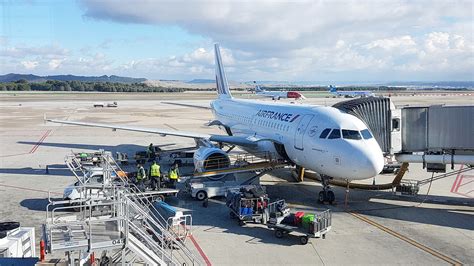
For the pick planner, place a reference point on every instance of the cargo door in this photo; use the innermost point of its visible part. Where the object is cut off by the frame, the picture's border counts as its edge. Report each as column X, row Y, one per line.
column 300, row 130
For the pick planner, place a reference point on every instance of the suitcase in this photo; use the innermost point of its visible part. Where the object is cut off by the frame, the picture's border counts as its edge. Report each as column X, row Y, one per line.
column 289, row 220
column 298, row 217
column 307, row 220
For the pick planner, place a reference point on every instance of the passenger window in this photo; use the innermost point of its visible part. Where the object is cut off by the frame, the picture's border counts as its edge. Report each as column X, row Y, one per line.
column 366, row 134
column 325, row 133
column 351, row 134
column 335, row 134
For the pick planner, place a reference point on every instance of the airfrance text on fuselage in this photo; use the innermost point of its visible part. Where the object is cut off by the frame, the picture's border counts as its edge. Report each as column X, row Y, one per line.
column 286, row 117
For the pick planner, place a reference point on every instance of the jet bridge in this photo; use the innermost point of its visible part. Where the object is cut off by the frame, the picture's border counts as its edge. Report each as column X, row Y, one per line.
column 376, row 112
column 436, row 136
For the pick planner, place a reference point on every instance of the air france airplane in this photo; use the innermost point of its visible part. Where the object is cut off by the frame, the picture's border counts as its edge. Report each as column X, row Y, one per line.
column 323, row 139
column 277, row 95
column 350, row 94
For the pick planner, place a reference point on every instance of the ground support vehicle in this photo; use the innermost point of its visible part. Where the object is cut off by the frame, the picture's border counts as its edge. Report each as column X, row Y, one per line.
column 318, row 228
column 202, row 189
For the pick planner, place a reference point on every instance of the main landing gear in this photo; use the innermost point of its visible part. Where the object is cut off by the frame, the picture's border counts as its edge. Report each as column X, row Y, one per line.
column 327, row 195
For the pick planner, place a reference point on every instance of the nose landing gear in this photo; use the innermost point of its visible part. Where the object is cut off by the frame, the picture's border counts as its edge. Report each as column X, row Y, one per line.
column 326, row 195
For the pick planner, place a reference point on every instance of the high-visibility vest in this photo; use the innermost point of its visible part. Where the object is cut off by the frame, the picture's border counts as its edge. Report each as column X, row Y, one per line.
column 155, row 170
column 173, row 174
column 141, row 173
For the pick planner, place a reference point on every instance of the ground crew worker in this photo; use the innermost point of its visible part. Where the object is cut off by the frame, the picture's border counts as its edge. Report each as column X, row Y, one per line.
column 173, row 175
column 141, row 176
column 155, row 176
column 151, row 151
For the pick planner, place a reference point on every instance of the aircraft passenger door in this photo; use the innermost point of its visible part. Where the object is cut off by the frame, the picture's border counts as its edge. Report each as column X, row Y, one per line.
column 300, row 130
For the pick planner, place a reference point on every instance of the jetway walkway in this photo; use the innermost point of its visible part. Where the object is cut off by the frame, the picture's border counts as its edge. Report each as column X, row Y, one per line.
column 122, row 225
column 376, row 113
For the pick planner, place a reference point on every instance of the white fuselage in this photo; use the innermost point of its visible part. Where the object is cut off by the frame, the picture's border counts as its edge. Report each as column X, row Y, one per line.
column 273, row 94
column 298, row 128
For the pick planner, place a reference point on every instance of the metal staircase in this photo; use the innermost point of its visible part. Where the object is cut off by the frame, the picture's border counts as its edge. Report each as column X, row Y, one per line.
column 122, row 224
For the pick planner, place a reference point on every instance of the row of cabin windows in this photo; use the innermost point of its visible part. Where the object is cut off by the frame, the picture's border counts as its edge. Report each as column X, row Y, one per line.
column 274, row 125
column 346, row 134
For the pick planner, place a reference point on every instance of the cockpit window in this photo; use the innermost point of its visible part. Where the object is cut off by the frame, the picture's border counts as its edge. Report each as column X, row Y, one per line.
column 351, row 134
column 366, row 134
column 325, row 133
column 335, row 134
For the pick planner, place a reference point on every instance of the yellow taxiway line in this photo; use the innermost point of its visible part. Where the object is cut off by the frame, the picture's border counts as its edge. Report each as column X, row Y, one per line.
column 406, row 239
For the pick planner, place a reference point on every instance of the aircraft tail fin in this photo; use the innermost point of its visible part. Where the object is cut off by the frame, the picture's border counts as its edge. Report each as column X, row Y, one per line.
column 257, row 87
column 221, row 79
column 332, row 88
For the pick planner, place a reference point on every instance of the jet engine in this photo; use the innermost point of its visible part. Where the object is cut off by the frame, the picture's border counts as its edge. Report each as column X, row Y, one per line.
column 210, row 158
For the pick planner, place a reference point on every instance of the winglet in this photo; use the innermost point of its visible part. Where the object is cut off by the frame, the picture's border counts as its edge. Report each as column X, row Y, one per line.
column 221, row 79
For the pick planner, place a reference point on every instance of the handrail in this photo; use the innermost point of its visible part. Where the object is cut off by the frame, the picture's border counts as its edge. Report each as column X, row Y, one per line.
column 126, row 207
column 168, row 235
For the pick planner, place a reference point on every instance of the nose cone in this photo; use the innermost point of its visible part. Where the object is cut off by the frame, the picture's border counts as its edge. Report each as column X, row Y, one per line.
column 367, row 161
column 372, row 164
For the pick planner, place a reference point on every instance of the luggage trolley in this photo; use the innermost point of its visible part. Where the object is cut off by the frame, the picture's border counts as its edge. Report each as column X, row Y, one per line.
column 248, row 206
column 314, row 226
column 254, row 205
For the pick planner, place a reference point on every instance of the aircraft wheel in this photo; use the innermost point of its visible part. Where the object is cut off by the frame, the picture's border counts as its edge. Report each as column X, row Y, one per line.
column 321, row 197
column 331, row 196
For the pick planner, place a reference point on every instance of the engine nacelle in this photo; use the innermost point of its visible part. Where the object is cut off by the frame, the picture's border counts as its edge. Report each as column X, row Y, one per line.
column 210, row 158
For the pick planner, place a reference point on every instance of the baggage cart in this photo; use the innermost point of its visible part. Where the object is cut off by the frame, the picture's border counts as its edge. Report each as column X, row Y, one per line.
column 318, row 228
column 247, row 207
column 254, row 209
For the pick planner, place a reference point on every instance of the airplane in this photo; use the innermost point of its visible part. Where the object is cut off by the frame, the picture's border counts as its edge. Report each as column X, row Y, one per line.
column 277, row 95
column 323, row 139
column 349, row 94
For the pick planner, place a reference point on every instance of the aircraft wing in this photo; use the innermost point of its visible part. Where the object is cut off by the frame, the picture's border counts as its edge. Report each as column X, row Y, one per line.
column 236, row 140
column 188, row 105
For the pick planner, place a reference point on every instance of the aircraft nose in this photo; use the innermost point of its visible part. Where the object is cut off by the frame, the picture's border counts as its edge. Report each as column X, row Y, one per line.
column 367, row 161
column 372, row 166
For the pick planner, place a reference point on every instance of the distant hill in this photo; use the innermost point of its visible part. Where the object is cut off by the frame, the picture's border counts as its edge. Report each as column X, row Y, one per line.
column 434, row 84
column 34, row 78
column 201, row 81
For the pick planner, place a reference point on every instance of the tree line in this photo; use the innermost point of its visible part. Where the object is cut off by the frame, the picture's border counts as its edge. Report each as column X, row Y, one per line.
column 74, row 85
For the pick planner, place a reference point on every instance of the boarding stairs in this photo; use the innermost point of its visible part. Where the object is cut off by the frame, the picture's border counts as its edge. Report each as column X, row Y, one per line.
column 122, row 225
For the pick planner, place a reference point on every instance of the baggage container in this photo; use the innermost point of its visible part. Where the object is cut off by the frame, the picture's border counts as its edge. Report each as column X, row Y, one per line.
column 298, row 217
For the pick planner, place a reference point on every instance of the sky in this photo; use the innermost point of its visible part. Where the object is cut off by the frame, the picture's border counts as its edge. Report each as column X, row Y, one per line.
column 300, row 40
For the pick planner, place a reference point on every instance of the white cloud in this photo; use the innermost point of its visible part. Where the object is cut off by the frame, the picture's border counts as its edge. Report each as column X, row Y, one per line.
column 29, row 65
column 405, row 42
column 275, row 40
column 305, row 39
column 437, row 41
column 54, row 63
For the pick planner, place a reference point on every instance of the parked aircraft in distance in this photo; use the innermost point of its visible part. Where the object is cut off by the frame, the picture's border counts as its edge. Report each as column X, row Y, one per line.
column 320, row 138
column 349, row 94
column 277, row 95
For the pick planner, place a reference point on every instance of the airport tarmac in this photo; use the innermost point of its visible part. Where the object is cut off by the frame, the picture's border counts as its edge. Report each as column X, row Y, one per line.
column 377, row 227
